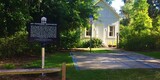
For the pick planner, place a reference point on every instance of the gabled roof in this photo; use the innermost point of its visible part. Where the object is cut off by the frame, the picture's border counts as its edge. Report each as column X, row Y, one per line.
column 111, row 8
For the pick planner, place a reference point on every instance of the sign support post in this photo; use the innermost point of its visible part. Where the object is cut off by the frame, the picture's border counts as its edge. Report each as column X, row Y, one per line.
column 91, row 22
column 44, row 33
column 43, row 21
column 43, row 57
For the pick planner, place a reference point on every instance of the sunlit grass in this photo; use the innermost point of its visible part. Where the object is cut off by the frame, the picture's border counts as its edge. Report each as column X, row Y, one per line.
column 151, row 54
column 56, row 59
column 96, row 50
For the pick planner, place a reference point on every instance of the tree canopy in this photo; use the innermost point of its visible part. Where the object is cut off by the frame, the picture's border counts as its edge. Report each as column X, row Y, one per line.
column 139, row 31
column 13, row 16
column 154, row 8
column 69, row 15
column 109, row 1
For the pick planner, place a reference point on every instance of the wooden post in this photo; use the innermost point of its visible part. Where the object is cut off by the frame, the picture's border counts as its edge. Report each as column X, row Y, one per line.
column 28, row 71
column 117, row 40
column 63, row 71
column 43, row 57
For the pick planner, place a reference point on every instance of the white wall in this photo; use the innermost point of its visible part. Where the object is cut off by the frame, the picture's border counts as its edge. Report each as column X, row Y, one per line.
column 100, row 27
column 107, row 18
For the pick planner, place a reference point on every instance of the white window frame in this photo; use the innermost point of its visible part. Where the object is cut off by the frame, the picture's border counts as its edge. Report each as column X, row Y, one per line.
column 87, row 30
column 111, row 33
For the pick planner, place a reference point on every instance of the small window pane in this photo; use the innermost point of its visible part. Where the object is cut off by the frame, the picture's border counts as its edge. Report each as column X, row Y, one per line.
column 112, row 31
column 88, row 32
column 111, row 28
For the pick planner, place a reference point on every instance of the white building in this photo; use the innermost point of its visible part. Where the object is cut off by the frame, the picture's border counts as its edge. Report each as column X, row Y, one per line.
column 106, row 27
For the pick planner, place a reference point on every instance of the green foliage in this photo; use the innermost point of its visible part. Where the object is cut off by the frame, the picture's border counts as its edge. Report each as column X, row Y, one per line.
column 156, row 24
column 154, row 54
column 57, row 59
column 9, row 66
column 139, row 33
column 133, row 40
column 69, row 39
column 32, row 65
column 95, row 43
column 140, row 19
column 51, row 61
column 154, row 8
column 109, row 1
column 13, row 16
column 69, row 15
column 127, row 12
column 12, row 45
column 17, row 45
column 140, row 42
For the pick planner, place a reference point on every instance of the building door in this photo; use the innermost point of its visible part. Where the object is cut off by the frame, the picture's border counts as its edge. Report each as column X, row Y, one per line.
column 105, row 35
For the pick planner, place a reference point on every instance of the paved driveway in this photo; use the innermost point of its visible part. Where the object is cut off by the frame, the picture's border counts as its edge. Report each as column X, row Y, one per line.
column 120, row 60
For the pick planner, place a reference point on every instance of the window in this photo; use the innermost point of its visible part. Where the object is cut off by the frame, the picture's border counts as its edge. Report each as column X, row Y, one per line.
column 111, row 31
column 88, row 31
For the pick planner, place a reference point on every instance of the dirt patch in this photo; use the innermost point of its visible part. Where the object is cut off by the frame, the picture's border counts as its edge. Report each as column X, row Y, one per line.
column 51, row 76
column 19, row 62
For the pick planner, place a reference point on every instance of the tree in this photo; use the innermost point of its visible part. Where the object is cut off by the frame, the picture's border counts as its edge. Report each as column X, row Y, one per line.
column 127, row 12
column 140, row 19
column 154, row 8
column 136, row 14
column 70, row 15
column 109, row 1
column 126, row 1
column 13, row 16
column 136, row 35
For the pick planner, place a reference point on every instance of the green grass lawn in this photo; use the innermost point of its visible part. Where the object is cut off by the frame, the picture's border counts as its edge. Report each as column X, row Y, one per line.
column 101, row 51
column 151, row 54
column 55, row 60
column 96, row 50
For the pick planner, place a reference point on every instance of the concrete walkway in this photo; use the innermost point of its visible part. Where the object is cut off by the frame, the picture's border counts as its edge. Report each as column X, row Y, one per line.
column 118, row 60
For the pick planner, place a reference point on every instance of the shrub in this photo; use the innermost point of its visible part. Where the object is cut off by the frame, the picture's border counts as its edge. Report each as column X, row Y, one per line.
column 69, row 39
column 80, row 44
column 140, row 42
column 95, row 43
column 9, row 66
column 29, row 66
column 12, row 45
column 17, row 45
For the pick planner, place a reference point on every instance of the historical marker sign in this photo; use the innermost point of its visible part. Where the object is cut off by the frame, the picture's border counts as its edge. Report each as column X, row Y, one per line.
column 43, row 32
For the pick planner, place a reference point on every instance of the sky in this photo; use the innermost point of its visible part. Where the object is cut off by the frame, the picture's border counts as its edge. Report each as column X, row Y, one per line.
column 116, row 4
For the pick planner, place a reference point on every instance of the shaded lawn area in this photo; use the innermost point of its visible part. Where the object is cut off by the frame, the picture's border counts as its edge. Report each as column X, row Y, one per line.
column 53, row 60
column 118, row 74
column 57, row 59
column 154, row 54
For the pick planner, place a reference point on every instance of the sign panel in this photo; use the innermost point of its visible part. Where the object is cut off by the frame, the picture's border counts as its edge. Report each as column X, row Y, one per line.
column 43, row 32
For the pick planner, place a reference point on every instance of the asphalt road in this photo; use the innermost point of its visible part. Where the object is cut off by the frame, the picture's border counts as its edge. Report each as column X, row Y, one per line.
column 119, row 60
